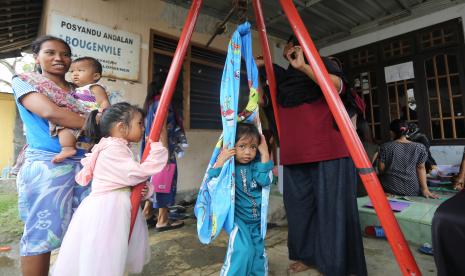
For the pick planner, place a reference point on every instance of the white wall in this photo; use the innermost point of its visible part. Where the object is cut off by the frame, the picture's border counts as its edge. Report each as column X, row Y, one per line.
column 447, row 155
column 395, row 30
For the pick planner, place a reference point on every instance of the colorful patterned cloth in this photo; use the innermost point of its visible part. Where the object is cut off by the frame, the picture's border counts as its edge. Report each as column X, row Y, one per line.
column 47, row 198
column 56, row 94
column 214, row 208
column 86, row 98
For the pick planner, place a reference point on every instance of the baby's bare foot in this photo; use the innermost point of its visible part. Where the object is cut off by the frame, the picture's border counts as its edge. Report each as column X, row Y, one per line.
column 66, row 152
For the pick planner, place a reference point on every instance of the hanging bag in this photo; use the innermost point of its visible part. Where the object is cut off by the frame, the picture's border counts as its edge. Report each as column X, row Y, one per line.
column 163, row 180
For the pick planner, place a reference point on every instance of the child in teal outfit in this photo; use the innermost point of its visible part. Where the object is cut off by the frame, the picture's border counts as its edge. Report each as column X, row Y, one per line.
column 246, row 249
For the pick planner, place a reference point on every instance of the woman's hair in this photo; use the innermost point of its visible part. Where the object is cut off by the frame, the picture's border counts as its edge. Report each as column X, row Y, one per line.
column 247, row 130
column 292, row 39
column 37, row 45
column 336, row 62
column 154, row 89
column 399, row 127
column 120, row 112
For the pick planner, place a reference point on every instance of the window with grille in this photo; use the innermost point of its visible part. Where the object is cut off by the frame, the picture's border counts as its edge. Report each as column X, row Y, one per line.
column 162, row 64
column 162, row 50
column 204, row 98
column 445, row 97
column 442, row 35
column 201, row 74
column 163, row 43
column 205, row 83
column 205, row 55
column 402, row 103
column 434, row 98
column 363, row 57
column 397, row 48
column 365, row 85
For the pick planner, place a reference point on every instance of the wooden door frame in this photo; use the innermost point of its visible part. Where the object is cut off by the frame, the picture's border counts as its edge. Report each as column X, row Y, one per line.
column 456, row 50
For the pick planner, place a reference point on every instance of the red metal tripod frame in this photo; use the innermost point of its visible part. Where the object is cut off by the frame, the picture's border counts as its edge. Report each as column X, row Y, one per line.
column 399, row 246
column 166, row 96
column 261, row 29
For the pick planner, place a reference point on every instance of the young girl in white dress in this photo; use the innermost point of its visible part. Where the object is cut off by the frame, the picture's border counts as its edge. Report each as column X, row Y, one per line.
column 96, row 242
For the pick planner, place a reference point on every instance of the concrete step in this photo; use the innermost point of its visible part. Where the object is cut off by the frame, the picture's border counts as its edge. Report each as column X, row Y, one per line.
column 414, row 221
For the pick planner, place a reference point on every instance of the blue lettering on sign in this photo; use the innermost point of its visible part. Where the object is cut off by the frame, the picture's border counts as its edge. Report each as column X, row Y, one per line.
column 93, row 46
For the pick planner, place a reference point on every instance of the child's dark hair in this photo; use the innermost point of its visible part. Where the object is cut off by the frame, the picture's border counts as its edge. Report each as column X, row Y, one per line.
column 336, row 62
column 154, row 88
column 247, row 130
column 37, row 45
column 95, row 63
column 399, row 127
column 292, row 39
column 120, row 112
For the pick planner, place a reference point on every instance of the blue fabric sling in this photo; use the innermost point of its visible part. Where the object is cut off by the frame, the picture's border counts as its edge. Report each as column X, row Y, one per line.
column 214, row 208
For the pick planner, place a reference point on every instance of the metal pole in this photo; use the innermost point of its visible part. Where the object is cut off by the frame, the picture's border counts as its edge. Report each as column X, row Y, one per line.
column 395, row 237
column 257, row 7
column 166, row 96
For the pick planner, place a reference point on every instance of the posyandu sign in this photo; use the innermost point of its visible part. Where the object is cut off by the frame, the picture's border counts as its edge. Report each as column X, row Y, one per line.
column 118, row 51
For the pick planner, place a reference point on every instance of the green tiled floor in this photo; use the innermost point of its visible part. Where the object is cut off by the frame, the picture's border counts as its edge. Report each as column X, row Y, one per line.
column 414, row 221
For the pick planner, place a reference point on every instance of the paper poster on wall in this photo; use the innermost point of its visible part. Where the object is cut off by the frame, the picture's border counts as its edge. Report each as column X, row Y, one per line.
column 365, row 83
column 118, row 51
column 398, row 72
column 412, row 103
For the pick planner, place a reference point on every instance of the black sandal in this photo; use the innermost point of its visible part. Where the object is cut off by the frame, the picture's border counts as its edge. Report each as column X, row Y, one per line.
column 170, row 226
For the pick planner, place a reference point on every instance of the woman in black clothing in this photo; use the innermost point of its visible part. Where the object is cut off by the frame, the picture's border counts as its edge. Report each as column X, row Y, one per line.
column 448, row 231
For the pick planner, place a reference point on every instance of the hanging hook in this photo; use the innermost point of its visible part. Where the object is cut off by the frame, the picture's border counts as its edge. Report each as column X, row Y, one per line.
column 246, row 11
column 242, row 6
column 238, row 6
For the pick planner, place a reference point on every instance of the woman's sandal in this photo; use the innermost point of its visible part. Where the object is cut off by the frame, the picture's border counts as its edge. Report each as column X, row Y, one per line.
column 297, row 267
column 170, row 226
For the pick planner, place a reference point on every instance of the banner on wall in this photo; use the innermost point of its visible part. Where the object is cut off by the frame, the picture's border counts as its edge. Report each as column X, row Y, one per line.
column 118, row 51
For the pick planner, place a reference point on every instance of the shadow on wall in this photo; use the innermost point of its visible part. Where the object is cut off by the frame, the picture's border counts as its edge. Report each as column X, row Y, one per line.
column 115, row 96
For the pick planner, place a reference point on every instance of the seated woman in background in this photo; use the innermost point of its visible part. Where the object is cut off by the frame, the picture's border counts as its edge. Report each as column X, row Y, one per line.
column 402, row 164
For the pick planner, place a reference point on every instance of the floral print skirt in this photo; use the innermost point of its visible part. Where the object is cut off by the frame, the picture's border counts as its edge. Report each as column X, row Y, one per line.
column 47, row 198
